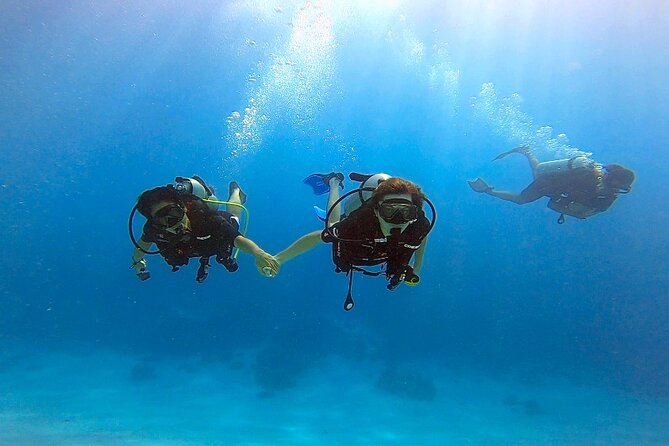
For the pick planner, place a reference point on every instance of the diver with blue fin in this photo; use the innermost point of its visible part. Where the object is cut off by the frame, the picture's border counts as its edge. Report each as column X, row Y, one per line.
column 184, row 222
column 382, row 224
column 578, row 186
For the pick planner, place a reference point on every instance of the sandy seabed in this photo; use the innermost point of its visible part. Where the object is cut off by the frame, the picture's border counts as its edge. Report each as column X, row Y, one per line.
column 103, row 398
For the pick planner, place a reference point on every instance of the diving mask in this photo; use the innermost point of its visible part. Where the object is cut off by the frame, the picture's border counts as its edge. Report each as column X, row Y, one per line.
column 398, row 211
column 168, row 216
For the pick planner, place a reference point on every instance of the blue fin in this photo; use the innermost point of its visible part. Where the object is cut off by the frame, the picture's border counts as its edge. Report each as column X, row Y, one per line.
column 320, row 213
column 317, row 183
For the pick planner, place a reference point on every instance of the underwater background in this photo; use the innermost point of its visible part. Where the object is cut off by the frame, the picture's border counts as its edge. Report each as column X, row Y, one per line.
column 521, row 332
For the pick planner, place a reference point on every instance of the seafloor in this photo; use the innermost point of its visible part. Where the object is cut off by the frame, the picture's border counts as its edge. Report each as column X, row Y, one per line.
column 94, row 398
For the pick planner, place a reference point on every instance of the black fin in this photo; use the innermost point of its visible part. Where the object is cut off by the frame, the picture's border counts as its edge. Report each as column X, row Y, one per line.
column 233, row 186
column 359, row 177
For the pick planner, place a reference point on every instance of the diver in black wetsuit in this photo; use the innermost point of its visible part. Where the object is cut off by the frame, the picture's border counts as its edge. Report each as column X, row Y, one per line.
column 183, row 226
column 384, row 225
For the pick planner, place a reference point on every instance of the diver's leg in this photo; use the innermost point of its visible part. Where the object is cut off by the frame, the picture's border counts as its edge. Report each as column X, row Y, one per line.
column 523, row 150
column 333, row 196
column 531, row 158
column 235, row 197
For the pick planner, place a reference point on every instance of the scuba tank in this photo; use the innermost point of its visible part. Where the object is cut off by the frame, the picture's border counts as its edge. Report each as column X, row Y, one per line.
column 369, row 183
column 196, row 186
column 556, row 167
column 565, row 203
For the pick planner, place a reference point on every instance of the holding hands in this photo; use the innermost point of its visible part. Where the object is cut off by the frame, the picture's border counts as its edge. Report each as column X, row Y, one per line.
column 267, row 264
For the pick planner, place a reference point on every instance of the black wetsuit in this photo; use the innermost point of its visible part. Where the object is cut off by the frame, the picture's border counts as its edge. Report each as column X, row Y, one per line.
column 368, row 245
column 212, row 233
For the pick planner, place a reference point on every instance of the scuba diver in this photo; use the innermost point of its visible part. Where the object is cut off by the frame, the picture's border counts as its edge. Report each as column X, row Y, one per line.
column 383, row 223
column 184, row 222
column 578, row 186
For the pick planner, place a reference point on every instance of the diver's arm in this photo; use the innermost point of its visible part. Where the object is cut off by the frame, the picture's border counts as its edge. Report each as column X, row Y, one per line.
column 418, row 261
column 138, row 254
column 300, row 246
column 511, row 196
column 139, row 263
column 530, row 194
column 264, row 260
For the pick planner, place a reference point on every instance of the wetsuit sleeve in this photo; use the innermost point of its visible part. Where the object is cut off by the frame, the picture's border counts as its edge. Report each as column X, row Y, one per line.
column 418, row 230
column 149, row 234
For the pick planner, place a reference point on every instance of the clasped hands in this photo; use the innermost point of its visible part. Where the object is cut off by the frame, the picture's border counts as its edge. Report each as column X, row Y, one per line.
column 267, row 265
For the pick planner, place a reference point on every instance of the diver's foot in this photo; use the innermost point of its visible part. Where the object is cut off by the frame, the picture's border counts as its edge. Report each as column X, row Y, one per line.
column 322, row 182
column 334, row 179
column 480, row 186
column 234, row 186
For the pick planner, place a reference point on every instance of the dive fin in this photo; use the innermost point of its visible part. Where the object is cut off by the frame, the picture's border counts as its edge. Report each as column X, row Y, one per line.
column 231, row 189
column 316, row 182
column 520, row 149
column 320, row 182
column 320, row 213
column 359, row 177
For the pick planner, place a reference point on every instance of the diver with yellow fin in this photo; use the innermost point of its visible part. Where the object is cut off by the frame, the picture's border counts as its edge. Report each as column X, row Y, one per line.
column 579, row 186
column 383, row 224
column 184, row 222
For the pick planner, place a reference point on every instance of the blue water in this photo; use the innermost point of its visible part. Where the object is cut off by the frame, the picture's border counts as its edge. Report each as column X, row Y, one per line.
column 522, row 331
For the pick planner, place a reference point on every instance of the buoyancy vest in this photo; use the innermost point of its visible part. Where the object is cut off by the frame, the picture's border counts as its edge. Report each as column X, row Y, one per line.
column 359, row 242
column 211, row 233
column 582, row 192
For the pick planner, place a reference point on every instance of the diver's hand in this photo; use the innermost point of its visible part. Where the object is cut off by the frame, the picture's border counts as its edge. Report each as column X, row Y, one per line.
column 267, row 264
column 140, row 269
column 411, row 278
column 202, row 273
